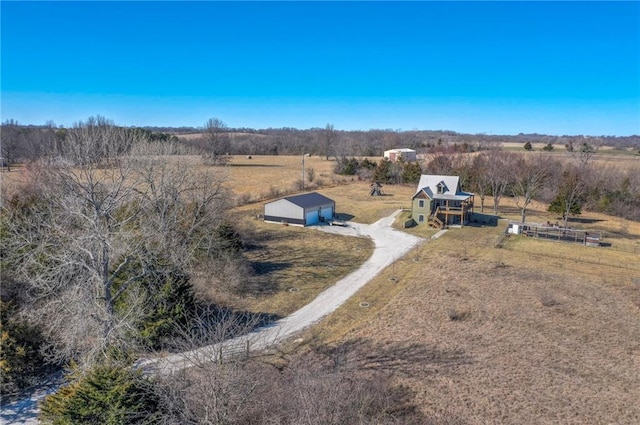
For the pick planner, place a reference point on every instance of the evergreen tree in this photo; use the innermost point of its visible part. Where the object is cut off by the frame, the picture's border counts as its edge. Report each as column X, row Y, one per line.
column 565, row 206
column 107, row 395
column 411, row 172
column 383, row 173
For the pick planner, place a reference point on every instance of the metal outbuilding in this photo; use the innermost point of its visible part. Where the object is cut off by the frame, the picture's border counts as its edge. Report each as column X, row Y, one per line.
column 300, row 210
column 395, row 155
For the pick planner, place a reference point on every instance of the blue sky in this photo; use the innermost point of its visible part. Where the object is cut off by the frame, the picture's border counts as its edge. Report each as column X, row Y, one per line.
column 476, row 67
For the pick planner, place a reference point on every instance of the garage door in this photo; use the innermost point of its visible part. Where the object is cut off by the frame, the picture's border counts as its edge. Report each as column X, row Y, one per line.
column 311, row 217
column 327, row 213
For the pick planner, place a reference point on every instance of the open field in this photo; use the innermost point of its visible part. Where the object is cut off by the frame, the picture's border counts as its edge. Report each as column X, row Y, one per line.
column 291, row 266
column 533, row 332
column 482, row 328
column 623, row 159
column 485, row 328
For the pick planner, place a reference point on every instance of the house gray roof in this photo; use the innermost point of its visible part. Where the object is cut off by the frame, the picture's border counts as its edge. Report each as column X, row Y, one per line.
column 450, row 184
column 308, row 200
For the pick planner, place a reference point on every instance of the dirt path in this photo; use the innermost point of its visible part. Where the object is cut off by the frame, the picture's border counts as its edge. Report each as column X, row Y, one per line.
column 390, row 245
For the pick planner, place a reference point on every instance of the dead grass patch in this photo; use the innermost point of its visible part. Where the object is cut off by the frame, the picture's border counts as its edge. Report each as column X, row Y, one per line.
column 543, row 341
column 291, row 266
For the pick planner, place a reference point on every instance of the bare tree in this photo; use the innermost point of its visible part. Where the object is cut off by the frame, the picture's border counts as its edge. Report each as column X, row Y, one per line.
column 94, row 232
column 570, row 191
column 531, row 174
column 217, row 142
column 587, row 150
column 10, row 139
column 329, row 136
column 499, row 174
column 479, row 177
column 97, row 140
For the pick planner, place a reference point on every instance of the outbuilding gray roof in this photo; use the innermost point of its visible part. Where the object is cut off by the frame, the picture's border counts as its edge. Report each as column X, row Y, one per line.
column 308, row 200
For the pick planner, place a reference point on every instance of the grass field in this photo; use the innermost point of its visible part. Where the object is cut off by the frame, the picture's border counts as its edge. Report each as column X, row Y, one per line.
column 528, row 332
column 532, row 332
column 482, row 328
column 495, row 335
column 625, row 159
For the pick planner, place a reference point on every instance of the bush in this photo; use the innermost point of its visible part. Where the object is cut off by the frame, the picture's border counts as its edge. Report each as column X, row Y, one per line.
column 169, row 302
column 109, row 395
column 21, row 361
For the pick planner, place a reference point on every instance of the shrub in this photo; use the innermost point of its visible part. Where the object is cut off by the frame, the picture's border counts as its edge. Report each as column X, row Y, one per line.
column 109, row 395
column 169, row 301
column 20, row 358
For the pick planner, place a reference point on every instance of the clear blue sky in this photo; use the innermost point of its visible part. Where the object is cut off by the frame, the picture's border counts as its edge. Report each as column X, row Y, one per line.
column 476, row 67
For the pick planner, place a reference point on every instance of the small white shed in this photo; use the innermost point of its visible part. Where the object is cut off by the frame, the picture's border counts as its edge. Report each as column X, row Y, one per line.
column 300, row 210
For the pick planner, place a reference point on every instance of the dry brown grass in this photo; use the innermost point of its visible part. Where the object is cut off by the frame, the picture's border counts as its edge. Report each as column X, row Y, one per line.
column 535, row 332
column 624, row 159
column 292, row 266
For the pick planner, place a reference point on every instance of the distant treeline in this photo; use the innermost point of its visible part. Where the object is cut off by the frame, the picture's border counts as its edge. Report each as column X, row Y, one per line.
column 29, row 142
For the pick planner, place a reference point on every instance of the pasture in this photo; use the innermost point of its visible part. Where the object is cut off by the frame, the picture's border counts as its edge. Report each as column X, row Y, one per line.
column 480, row 327
column 485, row 328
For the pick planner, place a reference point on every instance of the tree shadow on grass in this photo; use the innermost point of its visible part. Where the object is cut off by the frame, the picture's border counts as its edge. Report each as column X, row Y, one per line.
column 482, row 219
column 257, row 165
column 365, row 359
column 213, row 323
column 583, row 220
column 261, row 268
column 404, row 357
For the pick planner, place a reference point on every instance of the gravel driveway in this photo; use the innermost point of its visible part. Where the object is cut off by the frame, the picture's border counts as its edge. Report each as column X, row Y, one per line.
column 390, row 245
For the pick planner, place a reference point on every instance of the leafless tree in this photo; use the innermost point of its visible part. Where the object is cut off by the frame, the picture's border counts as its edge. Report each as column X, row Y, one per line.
column 586, row 150
column 303, row 388
column 97, row 140
column 439, row 163
column 531, row 174
column 571, row 186
column 479, row 177
column 217, row 141
column 10, row 139
column 329, row 136
column 94, row 231
column 499, row 174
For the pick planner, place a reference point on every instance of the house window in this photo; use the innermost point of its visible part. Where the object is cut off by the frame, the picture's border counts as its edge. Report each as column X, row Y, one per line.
column 421, row 203
column 440, row 188
column 421, row 218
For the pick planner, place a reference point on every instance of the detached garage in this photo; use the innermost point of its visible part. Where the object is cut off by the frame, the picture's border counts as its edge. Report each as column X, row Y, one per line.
column 301, row 210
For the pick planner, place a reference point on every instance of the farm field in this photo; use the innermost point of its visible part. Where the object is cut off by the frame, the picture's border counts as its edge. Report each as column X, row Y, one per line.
column 625, row 159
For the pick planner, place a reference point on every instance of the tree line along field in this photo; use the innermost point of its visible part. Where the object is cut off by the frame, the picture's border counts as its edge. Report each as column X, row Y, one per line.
column 470, row 313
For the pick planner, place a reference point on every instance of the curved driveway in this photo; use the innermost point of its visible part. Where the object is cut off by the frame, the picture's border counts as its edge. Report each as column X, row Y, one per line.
column 390, row 245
